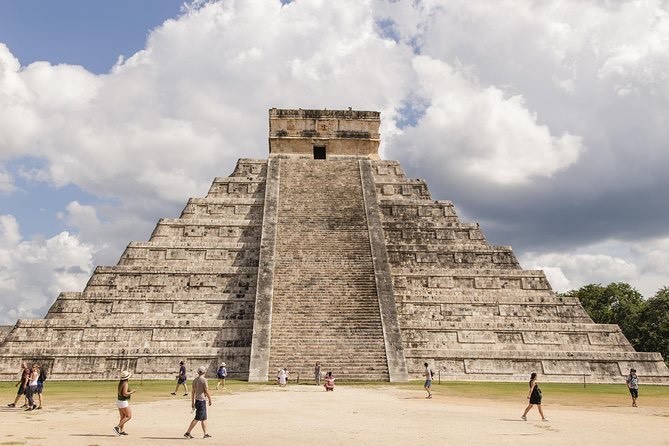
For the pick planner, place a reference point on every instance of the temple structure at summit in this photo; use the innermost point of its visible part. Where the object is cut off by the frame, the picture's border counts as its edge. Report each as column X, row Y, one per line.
column 322, row 252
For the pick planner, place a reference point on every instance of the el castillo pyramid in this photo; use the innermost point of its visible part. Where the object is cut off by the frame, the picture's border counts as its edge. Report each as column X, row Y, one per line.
column 322, row 252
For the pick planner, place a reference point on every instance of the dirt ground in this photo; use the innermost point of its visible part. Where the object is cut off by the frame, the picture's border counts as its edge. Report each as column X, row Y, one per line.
column 307, row 415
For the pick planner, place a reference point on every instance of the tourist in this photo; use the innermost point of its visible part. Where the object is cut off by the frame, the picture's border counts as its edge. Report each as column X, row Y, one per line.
column 22, row 384
column 633, row 386
column 40, row 385
column 287, row 373
column 428, row 380
column 31, row 390
column 199, row 391
column 281, row 377
column 221, row 374
column 329, row 382
column 317, row 373
column 535, row 398
column 123, row 394
column 181, row 379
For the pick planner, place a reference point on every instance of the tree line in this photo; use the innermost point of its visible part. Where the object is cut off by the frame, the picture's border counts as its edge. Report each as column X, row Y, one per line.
column 644, row 322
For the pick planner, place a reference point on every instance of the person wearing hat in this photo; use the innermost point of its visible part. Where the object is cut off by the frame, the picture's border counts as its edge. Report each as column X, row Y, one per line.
column 123, row 402
column 199, row 391
column 633, row 385
column 221, row 374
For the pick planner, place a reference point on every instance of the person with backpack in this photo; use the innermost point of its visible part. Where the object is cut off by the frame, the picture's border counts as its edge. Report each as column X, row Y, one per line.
column 428, row 380
column 221, row 373
column 40, row 385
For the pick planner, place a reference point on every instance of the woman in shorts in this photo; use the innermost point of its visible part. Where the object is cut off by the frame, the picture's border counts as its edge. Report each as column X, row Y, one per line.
column 123, row 402
column 535, row 398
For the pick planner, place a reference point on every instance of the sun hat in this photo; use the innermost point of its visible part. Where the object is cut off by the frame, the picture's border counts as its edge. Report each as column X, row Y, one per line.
column 125, row 375
column 201, row 370
column 222, row 364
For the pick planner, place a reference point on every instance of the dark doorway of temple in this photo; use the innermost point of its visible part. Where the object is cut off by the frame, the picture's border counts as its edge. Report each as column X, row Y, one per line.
column 319, row 152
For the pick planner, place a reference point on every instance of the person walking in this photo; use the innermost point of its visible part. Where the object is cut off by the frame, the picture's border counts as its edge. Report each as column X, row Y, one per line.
column 123, row 394
column 317, row 373
column 31, row 390
column 40, row 385
column 221, row 373
column 535, row 398
column 181, row 379
column 428, row 380
column 22, row 384
column 633, row 385
column 199, row 391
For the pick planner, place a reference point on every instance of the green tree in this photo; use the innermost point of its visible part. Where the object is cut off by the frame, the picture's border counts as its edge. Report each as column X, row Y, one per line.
column 617, row 303
column 654, row 324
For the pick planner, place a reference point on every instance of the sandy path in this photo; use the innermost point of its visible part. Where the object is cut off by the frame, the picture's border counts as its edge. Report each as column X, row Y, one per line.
column 303, row 415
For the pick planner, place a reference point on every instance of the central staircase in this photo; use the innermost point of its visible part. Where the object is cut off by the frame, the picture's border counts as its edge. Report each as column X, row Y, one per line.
column 325, row 305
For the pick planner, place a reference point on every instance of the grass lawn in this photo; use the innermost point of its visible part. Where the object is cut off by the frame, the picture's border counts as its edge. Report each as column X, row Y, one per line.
column 96, row 393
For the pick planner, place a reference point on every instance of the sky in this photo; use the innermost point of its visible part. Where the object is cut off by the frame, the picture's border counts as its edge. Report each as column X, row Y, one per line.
column 544, row 121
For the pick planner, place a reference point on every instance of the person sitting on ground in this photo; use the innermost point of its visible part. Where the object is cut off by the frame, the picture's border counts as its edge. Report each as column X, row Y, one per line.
column 329, row 382
column 221, row 374
column 181, row 379
column 281, row 377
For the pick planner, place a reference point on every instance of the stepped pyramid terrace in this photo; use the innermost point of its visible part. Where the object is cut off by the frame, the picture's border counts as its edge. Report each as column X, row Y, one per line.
column 322, row 252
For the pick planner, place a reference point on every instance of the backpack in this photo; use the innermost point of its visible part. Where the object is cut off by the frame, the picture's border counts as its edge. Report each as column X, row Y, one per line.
column 42, row 375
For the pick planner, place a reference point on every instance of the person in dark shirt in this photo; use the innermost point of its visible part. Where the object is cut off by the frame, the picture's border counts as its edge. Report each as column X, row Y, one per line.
column 535, row 398
column 22, row 384
column 181, row 379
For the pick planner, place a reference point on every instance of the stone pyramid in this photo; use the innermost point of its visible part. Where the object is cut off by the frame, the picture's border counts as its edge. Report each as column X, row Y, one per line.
column 322, row 252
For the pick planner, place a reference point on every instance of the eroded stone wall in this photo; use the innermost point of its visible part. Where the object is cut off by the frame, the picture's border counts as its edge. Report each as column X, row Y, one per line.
column 470, row 310
column 188, row 293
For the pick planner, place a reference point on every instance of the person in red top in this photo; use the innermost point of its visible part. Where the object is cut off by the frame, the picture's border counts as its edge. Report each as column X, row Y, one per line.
column 329, row 382
column 22, row 384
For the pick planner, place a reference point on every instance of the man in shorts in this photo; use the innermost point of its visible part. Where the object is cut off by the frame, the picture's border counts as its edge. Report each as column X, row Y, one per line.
column 22, row 385
column 428, row 381
column 199, row 391
column 181, row 379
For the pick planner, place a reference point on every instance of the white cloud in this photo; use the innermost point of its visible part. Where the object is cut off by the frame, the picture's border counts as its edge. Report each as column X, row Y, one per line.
column 479, row 133
column 33, row 272
column 6, row 182
column 512, row 102
column 569, row 271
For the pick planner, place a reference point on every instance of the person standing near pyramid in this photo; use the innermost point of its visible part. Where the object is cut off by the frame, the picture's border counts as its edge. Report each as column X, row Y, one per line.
column 21, row 384
column 199, row 392
column 181, row 379
column 123, row 394
column 428, row 380
column 633, row 386
column 221, row 374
